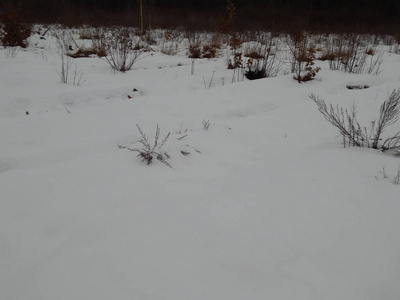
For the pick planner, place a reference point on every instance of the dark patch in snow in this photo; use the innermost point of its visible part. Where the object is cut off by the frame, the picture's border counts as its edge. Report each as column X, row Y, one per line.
column 357, row 87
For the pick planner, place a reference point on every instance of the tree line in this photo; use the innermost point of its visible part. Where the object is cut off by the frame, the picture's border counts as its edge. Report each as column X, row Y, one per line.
column 381, row 5
column 252, row 14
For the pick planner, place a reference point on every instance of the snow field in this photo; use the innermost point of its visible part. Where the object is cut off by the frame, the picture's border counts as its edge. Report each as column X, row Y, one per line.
column 270, row 206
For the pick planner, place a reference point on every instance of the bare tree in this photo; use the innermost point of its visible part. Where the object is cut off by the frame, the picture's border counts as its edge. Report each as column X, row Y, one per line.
column 141, row 16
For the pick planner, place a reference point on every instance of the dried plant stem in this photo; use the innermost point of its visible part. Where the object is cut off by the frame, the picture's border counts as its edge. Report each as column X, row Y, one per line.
column 356, row 135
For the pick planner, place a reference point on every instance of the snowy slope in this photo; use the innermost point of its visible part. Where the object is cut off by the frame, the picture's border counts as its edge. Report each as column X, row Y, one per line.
column 268, row 205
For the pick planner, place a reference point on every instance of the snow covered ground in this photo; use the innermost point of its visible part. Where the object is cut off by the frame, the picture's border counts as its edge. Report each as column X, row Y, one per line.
column 267, row 205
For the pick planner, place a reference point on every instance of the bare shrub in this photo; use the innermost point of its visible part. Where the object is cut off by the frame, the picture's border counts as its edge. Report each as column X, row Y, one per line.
column 169, row 47
column 123, row 49
column 69, row 75
column 98, row 39
column 149, row 37
column 356, row 135
column 150, row 151
column 200, row 47
column 209, row 51
column 344, row 120
column 350, row 54
column 13, row 31
column 66, row 73
column 392, row 144
column 194, row 49
column 169, row 41
column 263, row 57
column 66, row 64
column 389, row 114
column 65, row 41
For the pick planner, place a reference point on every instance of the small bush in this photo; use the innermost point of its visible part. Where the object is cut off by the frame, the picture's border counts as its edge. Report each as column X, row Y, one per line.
column 236, row 61
column 99, row 44
column 306, row 56
column 123, row 49
column 148, row 152
column 13, row 31
column 263, row 57
column 199, row 47
column 302, row 57
column 392, row 144
column 356, row 135
column 350, row 54
column 66, row 73
column 69, row 75
column 194, row 51
column 209, row 51
column 169, row 48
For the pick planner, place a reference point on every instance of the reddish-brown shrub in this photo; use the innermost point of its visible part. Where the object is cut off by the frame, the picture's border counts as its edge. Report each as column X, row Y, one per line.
column 209, row 51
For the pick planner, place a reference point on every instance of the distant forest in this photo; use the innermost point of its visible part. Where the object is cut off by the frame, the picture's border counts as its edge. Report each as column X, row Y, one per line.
column 280, row 15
